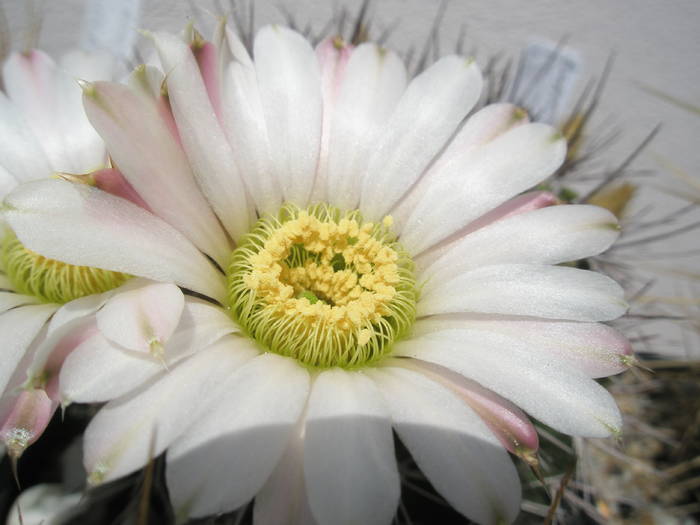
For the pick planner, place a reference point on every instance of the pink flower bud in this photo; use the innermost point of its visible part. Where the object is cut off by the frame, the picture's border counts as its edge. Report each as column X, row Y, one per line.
column 30, row 414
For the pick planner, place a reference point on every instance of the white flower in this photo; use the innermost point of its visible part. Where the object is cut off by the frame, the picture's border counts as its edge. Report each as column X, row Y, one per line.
column 435, row 319
column 45, row 305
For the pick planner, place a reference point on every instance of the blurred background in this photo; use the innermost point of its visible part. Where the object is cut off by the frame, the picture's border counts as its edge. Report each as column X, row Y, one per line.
column 621, row 81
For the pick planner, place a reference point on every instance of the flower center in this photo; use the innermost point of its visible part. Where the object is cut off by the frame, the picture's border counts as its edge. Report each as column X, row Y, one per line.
column 321, row 286
column 49, row 280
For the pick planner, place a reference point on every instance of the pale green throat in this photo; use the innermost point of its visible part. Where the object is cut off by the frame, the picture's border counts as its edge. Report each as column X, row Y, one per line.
column 322, row 286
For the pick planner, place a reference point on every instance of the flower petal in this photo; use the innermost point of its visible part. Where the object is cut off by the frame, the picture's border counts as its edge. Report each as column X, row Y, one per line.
column 202, row 137
column 372, row 84
column 49, row 97
column 290, row 93
column 425, row 118
column 142, row 319
column 559, row 396
column 549, row 235
column 19, row 327
column 480, row 128
column 21, row 154
column 245, row 128
column 26, row 422
column 153, row 162
column 452, row 446
column 127, row 432
column 83, row 146
column 505, row 420
column 529, row 201
column 98, row 371
column 349, row 461
column 114, row 234
column 482, row 179
column 10, row 300
column 595, row 349
column 225, row 459
column 554, row 292
column 284, row 499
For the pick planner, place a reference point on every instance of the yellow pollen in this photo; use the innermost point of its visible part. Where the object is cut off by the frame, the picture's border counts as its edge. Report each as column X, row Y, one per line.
column 323, row 286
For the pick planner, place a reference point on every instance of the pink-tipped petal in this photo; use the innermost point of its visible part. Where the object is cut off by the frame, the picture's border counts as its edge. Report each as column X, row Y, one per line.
column 27, row 420
column 208, row 151
column 452, row 446
column 142, row 319
column 548, row 235
column 529, row 201
column 152, row 161
column 595, row 349
column 558, row 395
column 507, row 422
column 482, row 127
column 485, row 178
column 77, row 333
column 206, row 55
column 114, row 234
column 113, row 181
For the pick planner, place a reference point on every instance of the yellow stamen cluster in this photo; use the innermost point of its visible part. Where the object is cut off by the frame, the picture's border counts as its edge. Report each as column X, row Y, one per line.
column 49, row 280
column 321, row 286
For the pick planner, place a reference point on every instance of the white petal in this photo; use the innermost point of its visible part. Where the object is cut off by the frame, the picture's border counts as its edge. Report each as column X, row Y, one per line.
column 202, row 137
column 7, row 183
column 98, row 371
column 113, row 234
column 49, row 98
column 349, row 461
column 142, row 318
column 19, row 327
column 453, row 447
column 290, row 92
column 554, row 292
column 29, row 83
column 550, row 235
column 225, row 458
column 201, row 324
column 559, row 396
column 482, row 179
column 150, row 158
column 9, row 300
column 373, row 82
column 480, row 128
column 425, row 118
column 85, row 306
column 126, row 432
column 244, row 124
column 284, row 499
column 21, row 155
column 595, row 349
column 70, row 319
column 83, row 148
